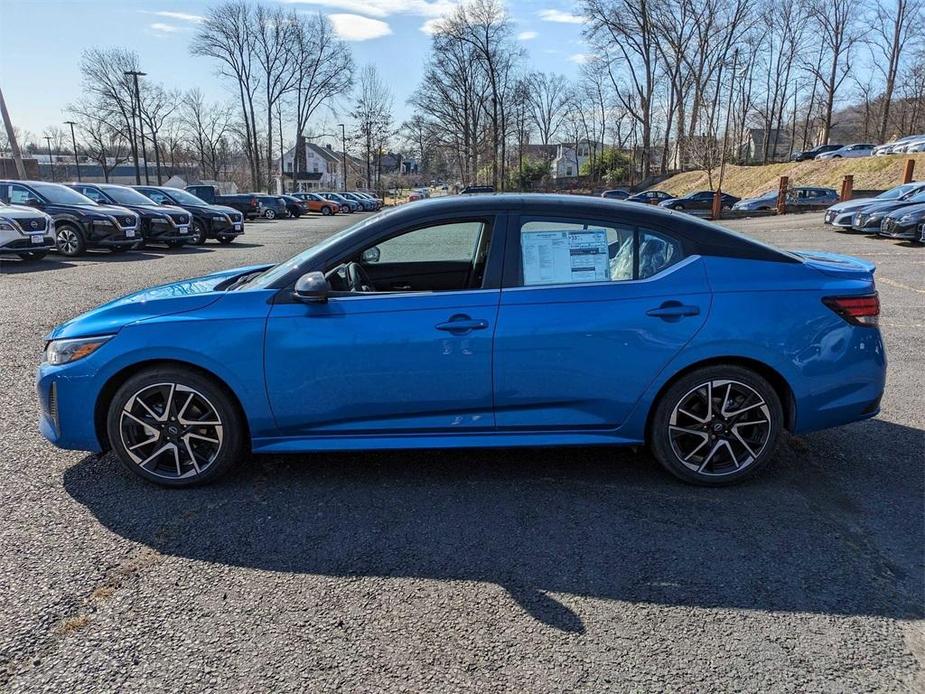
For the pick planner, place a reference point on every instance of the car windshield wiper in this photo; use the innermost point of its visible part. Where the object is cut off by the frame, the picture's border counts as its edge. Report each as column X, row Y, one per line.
column 241, row 280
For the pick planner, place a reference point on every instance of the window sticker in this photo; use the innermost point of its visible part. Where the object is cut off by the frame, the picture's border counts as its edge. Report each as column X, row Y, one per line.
column 563, row 257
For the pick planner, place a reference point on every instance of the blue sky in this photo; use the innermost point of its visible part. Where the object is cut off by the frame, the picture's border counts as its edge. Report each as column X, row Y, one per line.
column 41, row 42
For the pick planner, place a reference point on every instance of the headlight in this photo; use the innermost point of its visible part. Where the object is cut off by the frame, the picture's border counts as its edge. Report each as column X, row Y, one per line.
column 905, row 219
column 66, row 351
column 7, row 224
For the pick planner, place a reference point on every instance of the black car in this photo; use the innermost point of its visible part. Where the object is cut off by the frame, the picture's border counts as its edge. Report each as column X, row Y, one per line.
column 477, row 189
column 80, row 223
column 615, row 194
column 245, row 203
column 209, row 221
column 295, row 206
column 701, row 200
column 165, row 224
column 272, row 206
column 650, row 197
column 811, row 153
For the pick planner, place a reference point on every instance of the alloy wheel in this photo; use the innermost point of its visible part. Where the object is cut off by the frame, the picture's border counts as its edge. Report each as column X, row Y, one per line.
column 719, row 427
column 68, row 241
column 171, row 431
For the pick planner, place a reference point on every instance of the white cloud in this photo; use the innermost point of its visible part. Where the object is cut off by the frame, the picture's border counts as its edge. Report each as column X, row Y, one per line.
column 581, row 58
column 182, row 16
column 354, row 27
column 560, row 17
column 385, row 8
column 162, row 28
column 526, row 35
column 430, row 26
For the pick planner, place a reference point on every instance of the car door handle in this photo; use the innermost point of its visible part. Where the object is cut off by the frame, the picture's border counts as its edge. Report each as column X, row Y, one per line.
column 673, row 309
column 461, row 324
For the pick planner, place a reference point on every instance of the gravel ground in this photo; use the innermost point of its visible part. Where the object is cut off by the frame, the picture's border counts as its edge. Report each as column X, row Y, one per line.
column 523, row 570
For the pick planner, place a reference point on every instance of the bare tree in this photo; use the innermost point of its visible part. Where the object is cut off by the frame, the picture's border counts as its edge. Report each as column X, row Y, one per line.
column 548, row 97
column 894, row 25
column 208, row 128
column 157, row 106
column 835, row 23
column 372, row 112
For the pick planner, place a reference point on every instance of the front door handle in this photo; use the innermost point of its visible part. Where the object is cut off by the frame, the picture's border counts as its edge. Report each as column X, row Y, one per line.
column 673, row 309
column 461, row 324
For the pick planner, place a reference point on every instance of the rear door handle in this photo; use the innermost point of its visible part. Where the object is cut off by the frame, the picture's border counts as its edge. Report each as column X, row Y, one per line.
column 461, row 324
column 673, row 309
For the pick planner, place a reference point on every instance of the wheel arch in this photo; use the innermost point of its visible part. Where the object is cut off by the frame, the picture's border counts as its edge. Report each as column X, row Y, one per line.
column 769, row 373
column 108, row 391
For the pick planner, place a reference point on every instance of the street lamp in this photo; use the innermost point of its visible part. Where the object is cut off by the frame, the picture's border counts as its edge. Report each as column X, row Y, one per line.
column 343, row 142
column 135, row 74
column 74, row 143
column 51, row 164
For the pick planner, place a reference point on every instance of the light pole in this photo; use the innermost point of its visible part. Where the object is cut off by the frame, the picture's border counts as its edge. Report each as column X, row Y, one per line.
column 74, row 143
column 51, row 164
column 343, row 142
column 135, row 74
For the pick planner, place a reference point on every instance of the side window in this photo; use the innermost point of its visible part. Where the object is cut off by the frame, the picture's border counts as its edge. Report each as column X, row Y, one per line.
column 444, row 242
column 20, row 195
column 92, row 193
column 554, row 252
column 157, row 197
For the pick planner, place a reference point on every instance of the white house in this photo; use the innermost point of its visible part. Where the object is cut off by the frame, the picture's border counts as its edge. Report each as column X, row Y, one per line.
column 570, row 158
column 322, row 169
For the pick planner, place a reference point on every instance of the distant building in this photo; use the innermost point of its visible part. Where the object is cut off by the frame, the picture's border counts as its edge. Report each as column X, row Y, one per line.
column 752, row 148
column 571, row 157
column 322, row 169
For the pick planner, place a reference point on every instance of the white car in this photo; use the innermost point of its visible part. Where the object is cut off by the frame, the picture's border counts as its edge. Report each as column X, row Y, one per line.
column 890, row 147
column 848, row 152
column 26, row 232
column 915, row 146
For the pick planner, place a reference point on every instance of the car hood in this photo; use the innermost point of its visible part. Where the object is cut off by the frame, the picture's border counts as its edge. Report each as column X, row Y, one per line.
column 20, row 212
column 889, row 206
column 855, row 204
column 917, row 210
column 165, row 299
column 757, row 200
column 109, row 210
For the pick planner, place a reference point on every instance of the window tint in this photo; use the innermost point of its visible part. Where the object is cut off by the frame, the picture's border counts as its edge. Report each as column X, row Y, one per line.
column 445, row 242
column 19, row 195
column 158, row 197
column 92, row 194
column 555, row 252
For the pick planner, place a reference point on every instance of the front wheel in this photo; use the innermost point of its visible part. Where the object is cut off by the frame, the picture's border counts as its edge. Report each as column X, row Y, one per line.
column 326, row 211
column 70, row 241
column 175, row 427
column 270, row 214
column 716, row 425
column 225, row 240
column 197, row 234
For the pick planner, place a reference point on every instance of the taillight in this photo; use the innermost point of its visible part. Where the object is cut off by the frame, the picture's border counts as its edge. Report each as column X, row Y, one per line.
column 859, row 310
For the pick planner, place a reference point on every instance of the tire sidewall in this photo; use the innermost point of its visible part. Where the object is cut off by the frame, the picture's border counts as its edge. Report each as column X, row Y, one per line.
column 199, row 234
column 233, row 427
column 81, row 243
column 659, row 440
column 326, row 211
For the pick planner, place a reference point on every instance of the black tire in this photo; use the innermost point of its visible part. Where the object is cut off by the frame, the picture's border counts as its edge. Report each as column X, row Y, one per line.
column 197, row 233
column 326, row 211
column 269, row 213
column 33, row 255
column 70, row 240
column 295, row 215
column 210, row 400
column 717, row 439
column 225, row 240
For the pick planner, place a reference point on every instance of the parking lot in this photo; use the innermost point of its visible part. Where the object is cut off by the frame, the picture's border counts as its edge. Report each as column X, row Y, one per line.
column 487, row 570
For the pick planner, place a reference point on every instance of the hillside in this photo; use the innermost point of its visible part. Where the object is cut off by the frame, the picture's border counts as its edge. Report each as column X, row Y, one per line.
column 870, row 173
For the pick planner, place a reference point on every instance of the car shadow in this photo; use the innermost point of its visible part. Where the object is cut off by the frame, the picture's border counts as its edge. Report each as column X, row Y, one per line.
column 833, row 526
column 13, row 266
column 236, row 244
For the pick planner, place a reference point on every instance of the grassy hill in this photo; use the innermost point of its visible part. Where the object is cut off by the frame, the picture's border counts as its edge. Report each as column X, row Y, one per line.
column 870, row 173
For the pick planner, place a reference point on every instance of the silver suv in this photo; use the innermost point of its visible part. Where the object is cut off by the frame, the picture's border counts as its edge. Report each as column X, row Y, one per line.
column 26, row 232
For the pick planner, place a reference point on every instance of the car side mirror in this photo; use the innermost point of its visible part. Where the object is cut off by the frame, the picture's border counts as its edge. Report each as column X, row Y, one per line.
column 311, row 288
column 371, row 255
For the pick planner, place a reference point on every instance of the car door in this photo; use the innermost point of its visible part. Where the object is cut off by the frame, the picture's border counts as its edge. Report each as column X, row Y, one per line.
column 584, row 327
column 390, row 361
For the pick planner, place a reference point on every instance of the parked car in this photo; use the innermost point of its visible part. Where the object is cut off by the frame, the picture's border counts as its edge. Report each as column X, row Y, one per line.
column 469, row 190
column 805, row 197
column 224, row 224
column 615, row 194
column 80, row 223
column 247, row 204
column 701, row 200
column 903, row 147
column 26, row 232
column 650, row 197
column 402, row 332
column 887, row 148
column 916, row 146
column 904, row 223
column 842, row 214
column 848, row 152
column 272, row 206
column 366, row 205
column 814, row 152
column 345, row 204
column 316, row 203
column 869, row 218
column 167, row 224
column 370, row 196
column 296, row 207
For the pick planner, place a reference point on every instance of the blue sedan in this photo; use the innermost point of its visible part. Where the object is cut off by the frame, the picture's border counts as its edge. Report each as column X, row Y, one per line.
column 467, row 321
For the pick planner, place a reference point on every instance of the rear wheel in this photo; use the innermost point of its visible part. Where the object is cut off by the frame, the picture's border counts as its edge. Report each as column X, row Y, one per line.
column 326, row 211
column 269, row 213
column 716, row 425
column 175, row 427
column 70, row 241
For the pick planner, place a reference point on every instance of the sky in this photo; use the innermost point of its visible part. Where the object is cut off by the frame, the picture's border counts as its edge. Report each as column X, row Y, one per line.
column 41, row 42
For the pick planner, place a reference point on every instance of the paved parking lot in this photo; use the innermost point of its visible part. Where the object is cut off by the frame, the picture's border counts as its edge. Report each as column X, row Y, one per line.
column 524, row 570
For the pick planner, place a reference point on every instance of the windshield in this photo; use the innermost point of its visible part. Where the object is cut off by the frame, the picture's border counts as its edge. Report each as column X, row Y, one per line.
column 61, row 195
column 126, row 196
column 274, row 273
column 918, row 197
column 184, row 198
column 335, row 196
column 899, row 191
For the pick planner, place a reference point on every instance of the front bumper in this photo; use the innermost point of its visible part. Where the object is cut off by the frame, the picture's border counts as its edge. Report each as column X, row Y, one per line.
column 892, row 229
column 67, row 400
column 224, row 227
column 14, row 243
